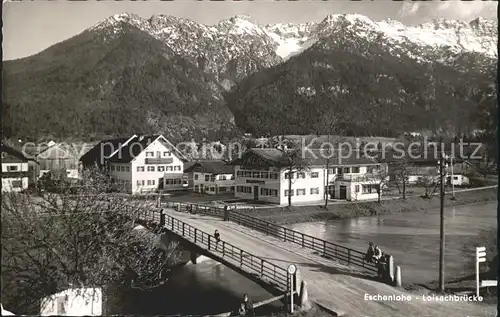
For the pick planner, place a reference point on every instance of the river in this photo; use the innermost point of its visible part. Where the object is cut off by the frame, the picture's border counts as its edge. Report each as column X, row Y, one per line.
column 202, row 289
column 412, row 238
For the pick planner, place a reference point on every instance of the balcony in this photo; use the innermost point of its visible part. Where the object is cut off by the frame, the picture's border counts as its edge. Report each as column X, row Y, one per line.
column 359, row 178
column 159, row 160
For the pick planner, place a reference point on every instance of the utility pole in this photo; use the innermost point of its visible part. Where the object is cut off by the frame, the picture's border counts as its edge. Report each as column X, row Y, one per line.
column 441, row 228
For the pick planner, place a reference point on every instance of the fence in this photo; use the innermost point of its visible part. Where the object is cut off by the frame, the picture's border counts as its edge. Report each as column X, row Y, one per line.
column 266, row 270
column 325, row 248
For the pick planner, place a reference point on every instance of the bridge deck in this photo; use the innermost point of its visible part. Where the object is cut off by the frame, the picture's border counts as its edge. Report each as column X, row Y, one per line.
column 331, row 284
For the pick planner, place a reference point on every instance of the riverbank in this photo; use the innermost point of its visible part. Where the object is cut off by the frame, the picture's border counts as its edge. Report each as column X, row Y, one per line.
column 291, row 215
column 461, row 285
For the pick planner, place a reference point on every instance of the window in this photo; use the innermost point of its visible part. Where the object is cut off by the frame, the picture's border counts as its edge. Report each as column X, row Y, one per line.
column 239, row 189
column 288, row 176
column 314, row 191
column 347, row 170
column 158, row 154
column 112, row 168
column 232, row 188
column 196, row 177
column 196, row 188
column 301, row 192
column 256, row 175
column 169, row 168
column 265, row 192
column 168, row 181
column 355, row 170
column 161, row 168
column 356, row 188
column 369, row 189
column 127, row 168
column 248, row 190
column 150, row 182
column 207, row 178
column 140, row 183
column 150, row 154
column 248, row 174
column 264, row 175
column 177, row 168
column 151, row 168
column 301, row 175
column 212, row 178
column 222, row 177
column 239, row 173
column 274, row 175
column 314, row 175
column 288, row 192
column 274, row 192
column 12, row 168
column 140, row 168
column 17, row 184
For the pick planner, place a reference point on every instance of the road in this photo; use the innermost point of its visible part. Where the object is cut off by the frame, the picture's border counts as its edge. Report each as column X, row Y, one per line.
column 332, row 285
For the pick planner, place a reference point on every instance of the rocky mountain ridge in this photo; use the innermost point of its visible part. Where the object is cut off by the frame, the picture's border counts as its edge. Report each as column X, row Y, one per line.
column 238, row 46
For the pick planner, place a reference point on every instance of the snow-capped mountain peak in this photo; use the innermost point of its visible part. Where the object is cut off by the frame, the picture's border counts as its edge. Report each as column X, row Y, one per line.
column 237, row 46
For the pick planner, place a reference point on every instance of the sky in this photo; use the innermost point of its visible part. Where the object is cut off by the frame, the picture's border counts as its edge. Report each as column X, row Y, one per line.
column 31, row 26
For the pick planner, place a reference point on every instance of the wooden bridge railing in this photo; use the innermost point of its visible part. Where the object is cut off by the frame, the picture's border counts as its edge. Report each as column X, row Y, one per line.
column 260, row 267
column 325, row 248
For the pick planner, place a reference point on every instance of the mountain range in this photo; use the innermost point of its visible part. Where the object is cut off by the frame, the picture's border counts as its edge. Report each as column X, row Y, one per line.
column 174, row 76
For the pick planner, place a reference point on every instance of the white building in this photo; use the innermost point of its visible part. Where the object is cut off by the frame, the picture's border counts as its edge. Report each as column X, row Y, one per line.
column 15, row 171
column 73, row 302
column 140, row 164
column 211, row 177
column 261, row 174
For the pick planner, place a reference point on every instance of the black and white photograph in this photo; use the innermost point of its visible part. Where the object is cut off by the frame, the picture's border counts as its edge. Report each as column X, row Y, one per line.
column 249, row 158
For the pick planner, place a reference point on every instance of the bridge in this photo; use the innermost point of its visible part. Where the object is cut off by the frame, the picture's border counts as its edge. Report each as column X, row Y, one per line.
column 337, row 277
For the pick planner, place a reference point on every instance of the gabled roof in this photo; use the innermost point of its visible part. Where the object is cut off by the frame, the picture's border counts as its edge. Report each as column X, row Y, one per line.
column 211, row 166
column 102, row 150
column 312, row 157
column 11, row 155
column 124, row 150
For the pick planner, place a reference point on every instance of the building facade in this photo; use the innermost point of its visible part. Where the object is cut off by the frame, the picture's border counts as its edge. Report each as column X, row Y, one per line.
column 15, row 171
column 262, row 175
column 139, row 164
column 211, row 177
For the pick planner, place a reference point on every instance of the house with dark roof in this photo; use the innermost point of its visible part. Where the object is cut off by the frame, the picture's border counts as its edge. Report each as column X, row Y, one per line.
column 264, row 174
column 139, row 164
column 211, row 176
column 15, row 171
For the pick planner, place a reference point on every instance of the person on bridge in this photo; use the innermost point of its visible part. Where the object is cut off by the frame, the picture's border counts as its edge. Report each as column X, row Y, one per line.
column 247, row 303
column 369, row 253
column 377, row 254
column 217, row 236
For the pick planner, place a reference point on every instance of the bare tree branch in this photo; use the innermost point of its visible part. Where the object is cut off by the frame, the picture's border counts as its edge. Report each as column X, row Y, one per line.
column 88, row 240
